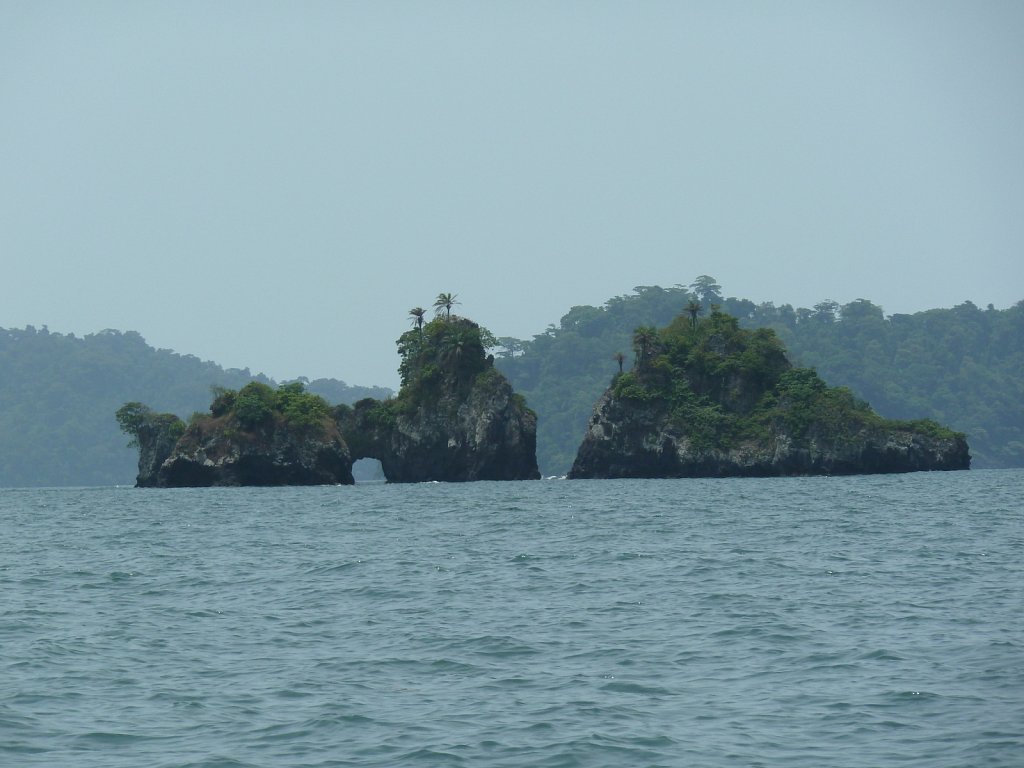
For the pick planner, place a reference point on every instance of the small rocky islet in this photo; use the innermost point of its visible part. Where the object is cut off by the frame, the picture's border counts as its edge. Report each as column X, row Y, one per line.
column 455, row 419
column 705, row 398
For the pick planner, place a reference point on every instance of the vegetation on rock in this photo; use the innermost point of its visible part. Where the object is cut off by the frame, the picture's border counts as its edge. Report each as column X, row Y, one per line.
column 455, row 417
column 447, row 351
column 707, row 397
column 257, row 405
column 724, row 383
column 257, row 435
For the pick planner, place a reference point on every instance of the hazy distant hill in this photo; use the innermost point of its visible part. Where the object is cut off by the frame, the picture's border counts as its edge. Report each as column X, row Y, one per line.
column 963, row 367
column 58, row 395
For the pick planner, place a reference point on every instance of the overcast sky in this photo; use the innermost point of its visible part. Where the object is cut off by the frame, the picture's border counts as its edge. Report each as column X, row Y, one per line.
column 275, row 185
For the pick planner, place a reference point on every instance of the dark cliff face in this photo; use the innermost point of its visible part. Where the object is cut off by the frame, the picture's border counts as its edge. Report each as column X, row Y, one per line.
column 485, row 433
column 253, row 436
column 716, row 401
column 156, row 440
column 455, row 419
column 639, row 440
column 212, row 454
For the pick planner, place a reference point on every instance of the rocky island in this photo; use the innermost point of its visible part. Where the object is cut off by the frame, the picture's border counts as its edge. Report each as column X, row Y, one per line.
column 708, row 399
column 454, row 419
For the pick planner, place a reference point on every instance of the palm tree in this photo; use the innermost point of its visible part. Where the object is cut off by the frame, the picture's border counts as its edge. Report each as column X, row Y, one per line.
column 445, row 301
column 417, row 313
column 694, row 309
column 645, row 340
column 456, row 350
column 454, row 347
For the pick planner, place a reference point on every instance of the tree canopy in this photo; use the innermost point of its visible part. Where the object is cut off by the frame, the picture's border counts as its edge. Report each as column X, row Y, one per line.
column 449, row 350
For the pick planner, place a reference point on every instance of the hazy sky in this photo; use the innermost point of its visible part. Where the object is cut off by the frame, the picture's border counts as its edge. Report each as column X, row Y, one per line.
column 274, row 185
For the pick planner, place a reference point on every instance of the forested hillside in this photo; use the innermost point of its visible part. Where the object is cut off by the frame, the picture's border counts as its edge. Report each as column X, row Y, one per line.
column 59, row 393
column 963, row 367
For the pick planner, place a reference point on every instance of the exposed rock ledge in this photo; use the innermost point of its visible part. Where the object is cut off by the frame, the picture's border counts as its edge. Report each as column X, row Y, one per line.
column 212, row 454
column 486, row 435
column 631, row 440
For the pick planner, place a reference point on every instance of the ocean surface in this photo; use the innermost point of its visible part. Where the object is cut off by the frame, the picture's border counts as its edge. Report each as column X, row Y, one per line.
column 857, row 621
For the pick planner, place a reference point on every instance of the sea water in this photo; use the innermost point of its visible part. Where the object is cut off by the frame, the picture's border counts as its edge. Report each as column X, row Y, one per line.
column 856, row 621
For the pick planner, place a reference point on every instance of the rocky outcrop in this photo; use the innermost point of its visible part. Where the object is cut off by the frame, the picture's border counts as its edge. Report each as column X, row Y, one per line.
column 211, row 453
column 639, row 439
column 482, row 433
column 456, row 419
column 709, row 399
column 156, row 437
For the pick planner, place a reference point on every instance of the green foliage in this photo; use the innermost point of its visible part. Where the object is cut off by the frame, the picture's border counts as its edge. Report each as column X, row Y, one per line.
column 131, row 418
column 962, row 366
column 629, row 387
column 731, row 367
column 928, row 427
column 801, row 385
column 724, row 384
column 488, row 379
column 383, row 414
column 254, row 405
column 301, row 409
column 445, row 302
column 446, row 352
column 705, row 424
column 802, row 400
column 258, row 405
column 223, row 400
column 418, row 314
column 134, row 417
column 176, row 427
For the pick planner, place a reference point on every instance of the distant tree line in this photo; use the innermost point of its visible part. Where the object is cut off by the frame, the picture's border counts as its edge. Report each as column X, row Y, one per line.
column 962, row 367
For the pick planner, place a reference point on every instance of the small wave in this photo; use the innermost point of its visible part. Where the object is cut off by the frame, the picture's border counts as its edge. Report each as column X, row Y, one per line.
column 114, row 738
column 619, row 686
column 493, row 645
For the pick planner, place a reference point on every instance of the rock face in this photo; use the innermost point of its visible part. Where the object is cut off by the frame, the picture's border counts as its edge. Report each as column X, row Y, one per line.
column 708, row 399
column 485, row 433
column 156, row 438
column 626, row 439
column 208, row 454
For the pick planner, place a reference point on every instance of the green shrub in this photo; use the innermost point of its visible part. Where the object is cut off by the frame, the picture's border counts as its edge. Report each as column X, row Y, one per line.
column 254, row 405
